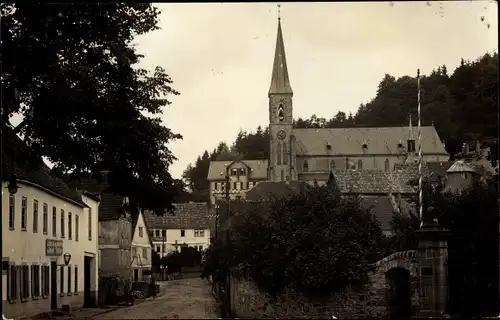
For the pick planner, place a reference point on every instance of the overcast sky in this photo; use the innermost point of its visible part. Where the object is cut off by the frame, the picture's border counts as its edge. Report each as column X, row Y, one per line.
column 220, row 58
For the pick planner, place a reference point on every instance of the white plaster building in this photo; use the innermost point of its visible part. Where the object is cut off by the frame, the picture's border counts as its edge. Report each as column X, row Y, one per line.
column 141, row 249
column 41, row 223
column 188, row 227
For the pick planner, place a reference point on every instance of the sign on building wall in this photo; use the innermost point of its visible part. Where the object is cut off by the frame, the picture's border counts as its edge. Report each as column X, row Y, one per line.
column 53, row 247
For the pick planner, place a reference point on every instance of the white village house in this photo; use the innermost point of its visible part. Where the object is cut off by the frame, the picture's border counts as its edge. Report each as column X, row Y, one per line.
column 187, row 227
column 141, row 249
column 49, row 238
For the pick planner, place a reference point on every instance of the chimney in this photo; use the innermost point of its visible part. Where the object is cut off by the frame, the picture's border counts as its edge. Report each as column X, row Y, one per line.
column 465, row 149
column 104, row 176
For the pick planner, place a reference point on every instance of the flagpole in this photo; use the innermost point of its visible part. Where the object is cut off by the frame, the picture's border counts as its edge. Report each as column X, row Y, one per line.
column 420, row 178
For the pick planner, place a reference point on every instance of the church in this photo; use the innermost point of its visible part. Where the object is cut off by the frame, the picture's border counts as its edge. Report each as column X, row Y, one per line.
column 311, row 154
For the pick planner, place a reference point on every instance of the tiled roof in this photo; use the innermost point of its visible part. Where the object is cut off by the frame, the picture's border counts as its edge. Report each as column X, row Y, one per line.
column 461, row 166
column 266, row 189
column 110, row 205
column 258, row 169
column 192, row 215
column 349, row 141
column 373, row 182
column 14, row 161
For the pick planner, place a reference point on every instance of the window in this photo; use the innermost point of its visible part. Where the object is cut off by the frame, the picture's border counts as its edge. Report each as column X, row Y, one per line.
column 282, row 175
column 90, row 224
column 12, row 211
column 223, row 186
column 216, row 186
column 158, row 249
column 281, row 114
column 285, row 154
column 360, row 164
column 69, row 279
column 234, row 186
column 164, row 233
column 61, row 281
column 200, row 248
column 24, row 212
column 145, row 253
column 250, row 184
column 332, row 164
column 45, row 222
column 63, row 228
column 157, row 233
column 134, row 252
column 386, row 164
column 45, row 281
column 141, row 232
column 305, row 166
column 234, row 172
column 25, row 282
column 199, row 233
column 54, row 221
column 35, row 281
column 465, row 176
column 77, row 227
column 35, row 216
column 12, row 283
column 70, row 226
column 411, row 145
column 76, row 279
column 183, row 233
column 242, row 171
column 279, row 154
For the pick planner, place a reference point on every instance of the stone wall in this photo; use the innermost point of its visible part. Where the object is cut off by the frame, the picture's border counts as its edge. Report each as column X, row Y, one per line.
column 247, row 301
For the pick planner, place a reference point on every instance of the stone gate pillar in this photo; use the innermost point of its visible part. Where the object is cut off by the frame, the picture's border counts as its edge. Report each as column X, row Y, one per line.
column 433, row 268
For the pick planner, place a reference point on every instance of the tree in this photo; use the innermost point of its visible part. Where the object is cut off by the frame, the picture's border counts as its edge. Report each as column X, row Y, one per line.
column 473, row 248
column 315, row 242
column 86, row 105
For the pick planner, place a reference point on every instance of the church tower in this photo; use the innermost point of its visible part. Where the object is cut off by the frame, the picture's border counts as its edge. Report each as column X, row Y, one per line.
column 280, row 116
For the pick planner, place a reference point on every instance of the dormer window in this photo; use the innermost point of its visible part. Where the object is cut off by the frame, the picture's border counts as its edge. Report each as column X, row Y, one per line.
column 281, row 113
column 305, row 167
column 242, row 171
column 234, row 172
column 328, row 146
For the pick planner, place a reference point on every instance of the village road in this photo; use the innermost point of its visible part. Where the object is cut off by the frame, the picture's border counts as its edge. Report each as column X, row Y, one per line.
column 180, row 299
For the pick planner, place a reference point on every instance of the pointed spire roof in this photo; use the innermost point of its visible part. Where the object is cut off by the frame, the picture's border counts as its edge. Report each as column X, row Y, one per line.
column 280, row 83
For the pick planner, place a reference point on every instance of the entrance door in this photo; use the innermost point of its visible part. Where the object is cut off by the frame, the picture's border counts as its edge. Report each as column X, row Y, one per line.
column 136, row 275
column 53, row 285
column 87, row 294
column 399, row 293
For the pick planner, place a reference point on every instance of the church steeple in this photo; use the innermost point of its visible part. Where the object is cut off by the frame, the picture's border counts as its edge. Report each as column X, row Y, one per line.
column 280, row 83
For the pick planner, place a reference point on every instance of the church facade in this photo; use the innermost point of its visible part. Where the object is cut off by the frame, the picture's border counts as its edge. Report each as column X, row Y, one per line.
column 311, row 154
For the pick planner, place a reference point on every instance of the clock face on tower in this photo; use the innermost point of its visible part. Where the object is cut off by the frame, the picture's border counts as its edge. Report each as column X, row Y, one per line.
column 281, row 135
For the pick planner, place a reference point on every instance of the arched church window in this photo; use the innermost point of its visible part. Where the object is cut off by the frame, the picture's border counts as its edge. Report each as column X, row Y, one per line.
column 305, row 166
column 279, row 154
column 360, row 164
column 386, row 165
column 285, row 153
column 332, row 164
column 281, row 113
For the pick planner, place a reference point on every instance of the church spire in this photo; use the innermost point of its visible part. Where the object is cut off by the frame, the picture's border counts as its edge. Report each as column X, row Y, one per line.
column 280, row 83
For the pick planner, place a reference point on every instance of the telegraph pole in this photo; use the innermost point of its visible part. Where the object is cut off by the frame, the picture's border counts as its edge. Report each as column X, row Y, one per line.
column 228, row 276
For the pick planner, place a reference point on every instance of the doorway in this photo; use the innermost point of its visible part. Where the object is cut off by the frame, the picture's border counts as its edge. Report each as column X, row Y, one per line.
column 399, row 293
column 87, row 282
column 53, row 285
column 136, row 275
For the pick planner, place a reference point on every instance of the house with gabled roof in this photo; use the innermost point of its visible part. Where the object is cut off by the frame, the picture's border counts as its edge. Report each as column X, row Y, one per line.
column 141, row 249
column 187, row 226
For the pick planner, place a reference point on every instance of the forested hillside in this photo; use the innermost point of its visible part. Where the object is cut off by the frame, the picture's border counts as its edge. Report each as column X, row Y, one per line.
column 463, row 106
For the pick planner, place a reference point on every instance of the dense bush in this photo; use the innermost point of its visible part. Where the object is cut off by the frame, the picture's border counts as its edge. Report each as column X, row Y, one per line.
column 314, row 242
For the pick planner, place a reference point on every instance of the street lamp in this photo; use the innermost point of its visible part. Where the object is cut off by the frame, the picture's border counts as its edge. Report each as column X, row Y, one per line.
column 12, row 186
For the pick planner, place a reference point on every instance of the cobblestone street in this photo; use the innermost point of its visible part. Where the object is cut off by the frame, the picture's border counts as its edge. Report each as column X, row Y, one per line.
column 180, row 299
